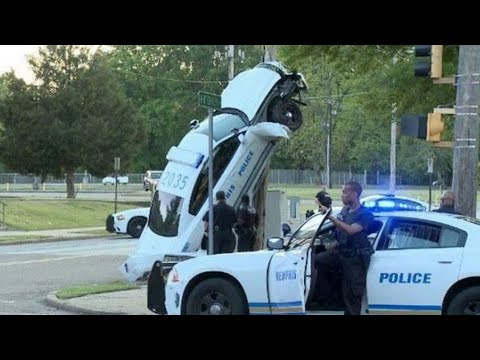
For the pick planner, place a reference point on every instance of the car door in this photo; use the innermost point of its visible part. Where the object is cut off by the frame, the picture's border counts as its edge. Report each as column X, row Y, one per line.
column 288, row 280
column 415, row 263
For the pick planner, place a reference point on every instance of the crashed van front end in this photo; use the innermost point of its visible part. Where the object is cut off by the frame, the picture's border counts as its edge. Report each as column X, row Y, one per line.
column 257, row 111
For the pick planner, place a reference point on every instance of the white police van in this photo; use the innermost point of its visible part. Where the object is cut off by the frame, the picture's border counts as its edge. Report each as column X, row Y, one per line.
column 258, row 109
column 424, row 263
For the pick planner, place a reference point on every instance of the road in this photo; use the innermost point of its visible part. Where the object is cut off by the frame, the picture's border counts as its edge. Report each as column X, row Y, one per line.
column 28, row 272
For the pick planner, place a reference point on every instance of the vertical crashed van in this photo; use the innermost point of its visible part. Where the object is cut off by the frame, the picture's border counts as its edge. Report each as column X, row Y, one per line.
column 259, row 107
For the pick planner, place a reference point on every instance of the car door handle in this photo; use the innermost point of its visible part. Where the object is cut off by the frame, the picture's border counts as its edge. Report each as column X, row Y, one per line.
column 444, row 261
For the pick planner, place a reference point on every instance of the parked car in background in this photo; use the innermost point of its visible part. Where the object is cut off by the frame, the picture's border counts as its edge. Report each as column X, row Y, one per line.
column 390, row 202
column 110, row 180
column 131, row 222
column 150, row 179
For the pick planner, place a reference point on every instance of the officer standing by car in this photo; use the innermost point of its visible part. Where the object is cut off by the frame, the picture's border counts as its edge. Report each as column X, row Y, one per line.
column 223, row 219
column 447, row 203
column 351, row 249
column 246, row 226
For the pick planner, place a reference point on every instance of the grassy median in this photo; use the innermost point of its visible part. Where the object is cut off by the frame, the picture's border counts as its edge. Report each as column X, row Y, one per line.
column 89, row 289
column 40, row 214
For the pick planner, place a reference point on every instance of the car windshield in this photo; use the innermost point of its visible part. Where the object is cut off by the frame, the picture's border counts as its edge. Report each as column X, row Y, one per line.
column 165, row 214
column 306, row 232
column 223, row 124
column 156, row 175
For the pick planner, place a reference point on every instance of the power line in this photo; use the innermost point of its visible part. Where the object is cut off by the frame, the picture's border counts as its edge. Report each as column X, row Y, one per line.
column 181, row 80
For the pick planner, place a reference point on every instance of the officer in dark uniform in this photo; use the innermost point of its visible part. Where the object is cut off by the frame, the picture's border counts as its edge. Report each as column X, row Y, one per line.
column 223, row 219
column 351, row 249
column 246, row 226
column 447, row 203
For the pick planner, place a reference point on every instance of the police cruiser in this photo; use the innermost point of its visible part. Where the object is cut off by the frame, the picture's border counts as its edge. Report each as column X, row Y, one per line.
column 131, row 222
column 258, row 109
column 424, row 263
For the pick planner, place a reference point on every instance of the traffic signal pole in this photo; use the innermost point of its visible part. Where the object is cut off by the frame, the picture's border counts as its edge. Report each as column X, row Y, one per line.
column 465, row 153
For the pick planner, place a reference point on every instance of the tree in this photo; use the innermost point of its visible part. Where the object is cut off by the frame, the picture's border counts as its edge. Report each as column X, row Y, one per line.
column 375, row 77
column 163, row 82
column 77, row 117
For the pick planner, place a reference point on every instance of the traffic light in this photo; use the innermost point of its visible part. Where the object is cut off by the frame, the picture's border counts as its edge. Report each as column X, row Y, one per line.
column 428, row 62
column 414, row 126
column 429, row 127
column 435, row 127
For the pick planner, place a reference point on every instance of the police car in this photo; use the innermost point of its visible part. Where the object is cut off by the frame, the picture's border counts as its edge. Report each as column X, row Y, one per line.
column 259, row 107
column 424, row 263
column 391, row 202
column 131, row 222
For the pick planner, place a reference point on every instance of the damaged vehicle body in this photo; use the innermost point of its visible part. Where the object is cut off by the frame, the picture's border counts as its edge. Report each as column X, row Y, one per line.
column 258, row 109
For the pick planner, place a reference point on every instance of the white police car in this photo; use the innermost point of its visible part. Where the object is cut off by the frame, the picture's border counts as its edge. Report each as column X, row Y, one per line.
column 424, row 263
column 390, row 202
column 258, row 109
column 131, row 222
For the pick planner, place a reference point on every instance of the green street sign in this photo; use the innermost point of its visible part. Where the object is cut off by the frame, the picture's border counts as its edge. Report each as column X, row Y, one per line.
column 209, row 100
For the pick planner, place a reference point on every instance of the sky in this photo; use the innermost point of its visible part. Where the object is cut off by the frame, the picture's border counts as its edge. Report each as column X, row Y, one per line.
column 14, row 57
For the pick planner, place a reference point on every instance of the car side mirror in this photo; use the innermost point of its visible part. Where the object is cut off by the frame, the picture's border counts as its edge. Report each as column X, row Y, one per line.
column 275, row 243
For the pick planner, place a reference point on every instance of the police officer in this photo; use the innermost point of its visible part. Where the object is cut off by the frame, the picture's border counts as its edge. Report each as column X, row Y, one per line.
column 223, row 219
column 322, row 198
column 246, row 227
column 351, row 249
column 447, row 203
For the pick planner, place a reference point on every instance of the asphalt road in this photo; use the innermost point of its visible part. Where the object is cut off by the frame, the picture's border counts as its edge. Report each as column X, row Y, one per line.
column 28, row 272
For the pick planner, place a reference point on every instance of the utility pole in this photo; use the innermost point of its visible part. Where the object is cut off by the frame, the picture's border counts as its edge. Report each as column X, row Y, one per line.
column 393, row 142
column 329, row 142
column 465, row 153
column 270, row 53
column 231, row 62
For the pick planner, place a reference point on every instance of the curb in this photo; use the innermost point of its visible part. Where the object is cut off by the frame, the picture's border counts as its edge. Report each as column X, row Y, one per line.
column 53, row 301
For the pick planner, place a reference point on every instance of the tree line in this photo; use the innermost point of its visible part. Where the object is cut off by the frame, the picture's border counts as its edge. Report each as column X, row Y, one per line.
column 87, row 107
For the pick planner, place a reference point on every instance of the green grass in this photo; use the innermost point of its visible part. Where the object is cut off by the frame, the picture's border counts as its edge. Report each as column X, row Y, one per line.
column 89, row 289
column 307, row 192
column 34, row 214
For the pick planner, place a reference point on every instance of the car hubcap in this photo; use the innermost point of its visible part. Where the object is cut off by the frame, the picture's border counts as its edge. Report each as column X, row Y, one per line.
column 472, row 308
column 215, row 303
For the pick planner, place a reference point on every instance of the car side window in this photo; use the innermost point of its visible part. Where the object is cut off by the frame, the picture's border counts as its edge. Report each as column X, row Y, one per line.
column 412, row 234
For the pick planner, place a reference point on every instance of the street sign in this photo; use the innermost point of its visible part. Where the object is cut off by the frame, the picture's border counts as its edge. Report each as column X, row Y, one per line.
column 430, row 166
column 209, row 100
column 116, row 164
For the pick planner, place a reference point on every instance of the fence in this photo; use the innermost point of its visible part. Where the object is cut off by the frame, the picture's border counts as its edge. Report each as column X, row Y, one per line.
column 277, row 176
column 293, row 176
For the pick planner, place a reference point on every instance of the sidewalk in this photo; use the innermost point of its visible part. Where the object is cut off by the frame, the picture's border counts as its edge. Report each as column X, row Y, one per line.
column 127, row 302
column 50, row 235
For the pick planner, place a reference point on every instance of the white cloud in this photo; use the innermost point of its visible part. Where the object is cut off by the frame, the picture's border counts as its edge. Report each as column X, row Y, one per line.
column 15, row 57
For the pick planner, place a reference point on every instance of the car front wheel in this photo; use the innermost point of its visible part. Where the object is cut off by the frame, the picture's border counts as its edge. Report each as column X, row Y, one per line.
column 136, row 226
column 216, row 296
column 466, row 302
